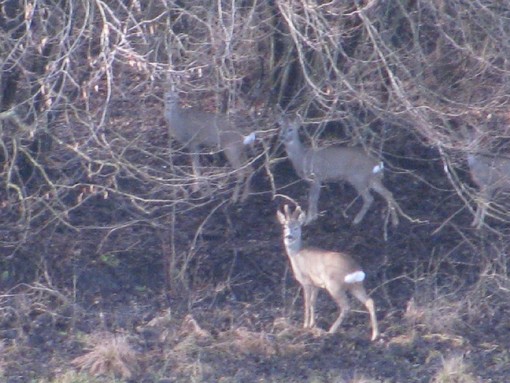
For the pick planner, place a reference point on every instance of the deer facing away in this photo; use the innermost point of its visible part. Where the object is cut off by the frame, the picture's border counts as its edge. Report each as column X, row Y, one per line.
column 491, row 174
column 195, row 128
column 335, row 163
column 315, row 268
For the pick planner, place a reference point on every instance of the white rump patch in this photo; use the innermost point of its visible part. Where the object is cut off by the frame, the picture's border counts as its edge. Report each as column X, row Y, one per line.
column 378, row 168
column 249, row 139
column 357, row 276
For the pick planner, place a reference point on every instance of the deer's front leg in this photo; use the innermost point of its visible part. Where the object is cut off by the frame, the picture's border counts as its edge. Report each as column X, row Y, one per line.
column 307, row 292
column 313, row 299
column 313, row 201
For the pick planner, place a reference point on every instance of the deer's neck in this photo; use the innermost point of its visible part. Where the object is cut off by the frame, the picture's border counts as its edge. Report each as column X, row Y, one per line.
column 293, row 247
column 171, row 104
column 172, row 108
column 296, row 152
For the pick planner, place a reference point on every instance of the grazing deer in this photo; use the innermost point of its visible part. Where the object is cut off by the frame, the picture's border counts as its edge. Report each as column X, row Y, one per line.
column 491, row 174
column 316, row 268
column 335, row 163
column 194, row 128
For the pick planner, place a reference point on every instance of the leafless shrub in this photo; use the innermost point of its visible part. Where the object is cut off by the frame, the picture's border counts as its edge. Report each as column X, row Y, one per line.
column 491, row 293
column 110, row 355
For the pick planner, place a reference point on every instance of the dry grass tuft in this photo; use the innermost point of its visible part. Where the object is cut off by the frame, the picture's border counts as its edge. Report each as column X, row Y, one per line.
column 191, row 327
column 242, row 341
column 110, row 355
column 454, row 370
column 337, row 376
column 76, row 377
column 364, row 379
column 292, row 339
column 3, row 362
column 437, row 314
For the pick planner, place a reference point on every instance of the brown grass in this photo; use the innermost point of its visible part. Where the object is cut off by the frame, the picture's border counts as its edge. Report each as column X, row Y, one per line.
column 242, row 341
column 76, row 377
column 109, row 355
column 2, row 358
column 435, row 313
column 454, row 370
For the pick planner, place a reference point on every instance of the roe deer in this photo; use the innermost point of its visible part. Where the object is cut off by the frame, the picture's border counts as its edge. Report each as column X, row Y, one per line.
column 315, row 268
column 490, row 174
column 335, row 163
column 194, row 128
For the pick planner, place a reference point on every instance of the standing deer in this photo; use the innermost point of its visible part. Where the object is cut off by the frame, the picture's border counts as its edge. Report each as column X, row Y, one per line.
column 491, row 174
column 194, row 128
column 315, row 268
column 335, row 163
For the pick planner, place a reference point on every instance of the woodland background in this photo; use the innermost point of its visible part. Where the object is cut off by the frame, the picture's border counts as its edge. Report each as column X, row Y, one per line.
column 112, row 270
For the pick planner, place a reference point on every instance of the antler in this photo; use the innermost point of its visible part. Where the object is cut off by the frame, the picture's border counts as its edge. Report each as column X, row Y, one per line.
column 286, row 211
column 294, row 215
column 297, row 212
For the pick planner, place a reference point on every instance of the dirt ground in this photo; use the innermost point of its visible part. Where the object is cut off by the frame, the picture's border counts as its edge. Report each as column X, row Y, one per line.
column 215, row 301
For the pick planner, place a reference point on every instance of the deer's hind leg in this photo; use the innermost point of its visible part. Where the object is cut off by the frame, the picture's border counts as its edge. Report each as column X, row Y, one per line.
column 197, row 174
column 342, row 302
column 368, row 199
column 388, row 196
column 360, row 293
column 243, row 172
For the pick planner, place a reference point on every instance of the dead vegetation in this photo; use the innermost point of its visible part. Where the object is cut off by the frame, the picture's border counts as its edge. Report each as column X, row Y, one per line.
column 109, row 355
column 455, row 370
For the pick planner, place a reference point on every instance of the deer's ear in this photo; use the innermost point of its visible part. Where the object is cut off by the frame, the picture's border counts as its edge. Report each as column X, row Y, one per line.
column 281, row 217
